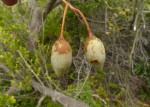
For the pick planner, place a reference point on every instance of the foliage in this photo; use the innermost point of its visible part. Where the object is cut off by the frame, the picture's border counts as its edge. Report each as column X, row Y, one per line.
column 110, row 20
column 7, row 101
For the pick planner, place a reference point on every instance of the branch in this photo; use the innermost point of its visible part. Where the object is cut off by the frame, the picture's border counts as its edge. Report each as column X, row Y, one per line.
column 12, row 90
column 40, row 100
column 57, row 3
column 4, row 68
column 66, row 101
column 134, row 45
column 37, row 18
column 81, row 88
column 29, row 67
column 35, row 27
column 49, row 7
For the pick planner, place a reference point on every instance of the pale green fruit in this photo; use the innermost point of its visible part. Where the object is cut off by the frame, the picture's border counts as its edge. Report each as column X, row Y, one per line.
column 61, row 56
column 95, row 52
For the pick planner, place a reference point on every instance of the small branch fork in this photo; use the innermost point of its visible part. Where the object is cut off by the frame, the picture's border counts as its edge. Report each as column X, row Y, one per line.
column 66, row 101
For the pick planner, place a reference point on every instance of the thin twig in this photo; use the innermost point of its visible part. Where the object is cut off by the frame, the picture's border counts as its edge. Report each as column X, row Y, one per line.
column 144, row 22
column 11, row 90
column 79, row 73
column 106, row 20
column 137, row 15
column 134, row 44
column 97, row 96
column 146, row 11
column 29, row 67
column 40, row 100
column 83, row 85
column 4, row 68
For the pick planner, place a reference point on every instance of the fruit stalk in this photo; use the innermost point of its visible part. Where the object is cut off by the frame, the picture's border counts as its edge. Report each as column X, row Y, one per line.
column 63, row 22
column 81, row 14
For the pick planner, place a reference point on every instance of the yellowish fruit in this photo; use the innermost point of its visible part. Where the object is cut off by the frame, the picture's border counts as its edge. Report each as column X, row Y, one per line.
column 95, row 52
column 61, row 56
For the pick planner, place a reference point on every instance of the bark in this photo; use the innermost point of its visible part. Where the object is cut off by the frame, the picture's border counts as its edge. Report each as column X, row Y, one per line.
column 48, row 8
column 37, row 18
column 3, row 67
column 66, row 101
column 35, row 26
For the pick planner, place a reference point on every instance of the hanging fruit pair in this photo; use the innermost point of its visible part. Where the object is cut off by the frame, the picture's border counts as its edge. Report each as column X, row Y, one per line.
column 10, row 2
column 94, row 50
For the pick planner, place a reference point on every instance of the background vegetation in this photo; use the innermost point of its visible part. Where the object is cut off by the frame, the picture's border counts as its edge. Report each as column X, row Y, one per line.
column 122, row 25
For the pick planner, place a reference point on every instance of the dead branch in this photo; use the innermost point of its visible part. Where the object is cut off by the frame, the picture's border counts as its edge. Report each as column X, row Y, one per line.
column 12, row 90
column 36, row 22
column 57, row 3
column 40, row 100
column 4, row 68
column 48, row 8
column 29, row 67
column 35, row 26
column 66, row 101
